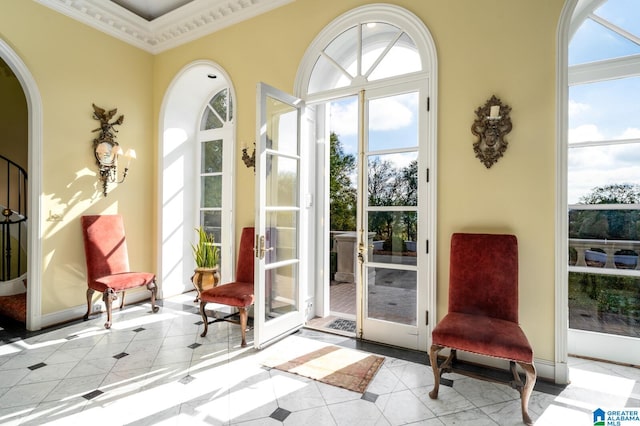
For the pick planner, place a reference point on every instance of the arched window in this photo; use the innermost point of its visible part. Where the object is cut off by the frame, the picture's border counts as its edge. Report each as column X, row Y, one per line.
column 215, row 139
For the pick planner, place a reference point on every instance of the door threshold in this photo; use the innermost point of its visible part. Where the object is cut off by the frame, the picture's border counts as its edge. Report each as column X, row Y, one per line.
column 333, row 324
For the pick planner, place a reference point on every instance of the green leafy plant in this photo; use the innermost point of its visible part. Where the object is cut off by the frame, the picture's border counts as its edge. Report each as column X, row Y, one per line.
column 205, row 253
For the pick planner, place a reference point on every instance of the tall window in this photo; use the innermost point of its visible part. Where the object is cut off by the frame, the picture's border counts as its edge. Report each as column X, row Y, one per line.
column 215, row 139
column 604, row 170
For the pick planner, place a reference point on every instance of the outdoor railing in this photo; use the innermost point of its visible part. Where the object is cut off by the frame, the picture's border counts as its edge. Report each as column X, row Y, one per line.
column 607, row 257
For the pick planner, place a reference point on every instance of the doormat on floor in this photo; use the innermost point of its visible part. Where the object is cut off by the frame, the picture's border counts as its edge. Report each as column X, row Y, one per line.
column 333, row 365
column 343, row 325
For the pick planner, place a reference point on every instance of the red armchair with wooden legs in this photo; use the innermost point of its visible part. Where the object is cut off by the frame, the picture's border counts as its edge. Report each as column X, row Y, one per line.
column 238, row 293
column 483, row 310
column 107, row 259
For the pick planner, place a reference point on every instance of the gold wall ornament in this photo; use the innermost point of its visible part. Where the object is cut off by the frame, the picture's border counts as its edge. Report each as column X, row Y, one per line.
column 106, row 149
column 491, row 126
column 249, row 160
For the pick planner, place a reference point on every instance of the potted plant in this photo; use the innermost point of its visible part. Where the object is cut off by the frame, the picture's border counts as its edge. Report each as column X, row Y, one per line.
column 207, row 258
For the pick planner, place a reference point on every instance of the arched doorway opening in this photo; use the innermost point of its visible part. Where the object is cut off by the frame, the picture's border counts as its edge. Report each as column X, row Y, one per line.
column 34, row 251
column 196, row 172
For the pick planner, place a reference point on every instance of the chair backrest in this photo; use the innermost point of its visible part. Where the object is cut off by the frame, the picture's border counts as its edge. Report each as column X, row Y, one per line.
column 245, row 265
column 483, row 275
column 105, row 247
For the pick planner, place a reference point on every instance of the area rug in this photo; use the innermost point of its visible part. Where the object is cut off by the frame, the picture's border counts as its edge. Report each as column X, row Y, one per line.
column 333, row 365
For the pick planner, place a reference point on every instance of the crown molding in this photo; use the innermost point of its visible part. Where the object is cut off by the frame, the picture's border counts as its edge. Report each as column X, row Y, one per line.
column 187, row 23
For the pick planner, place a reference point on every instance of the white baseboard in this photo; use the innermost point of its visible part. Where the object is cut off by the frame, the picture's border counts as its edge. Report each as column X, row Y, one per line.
column 545, row 369
column 77, row 312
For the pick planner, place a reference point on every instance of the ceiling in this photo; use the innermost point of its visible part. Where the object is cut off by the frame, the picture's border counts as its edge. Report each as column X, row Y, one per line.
column 158, row 25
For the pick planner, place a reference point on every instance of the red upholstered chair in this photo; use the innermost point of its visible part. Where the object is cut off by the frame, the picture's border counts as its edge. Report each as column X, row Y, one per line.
column 238, row 293
column 107, row 259
column 483, row 310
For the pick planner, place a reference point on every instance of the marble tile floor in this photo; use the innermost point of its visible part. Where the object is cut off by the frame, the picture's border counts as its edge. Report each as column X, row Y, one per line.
column 155, row 369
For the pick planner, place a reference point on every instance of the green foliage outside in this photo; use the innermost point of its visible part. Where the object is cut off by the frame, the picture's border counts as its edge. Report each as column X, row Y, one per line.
column 608, row 224
column 342, row 192
column 386, row 186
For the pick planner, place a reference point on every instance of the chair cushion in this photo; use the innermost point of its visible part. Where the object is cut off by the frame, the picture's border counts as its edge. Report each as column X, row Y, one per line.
column 483, row 335
column 14, row 306
column 238, row 294
column 123, row 281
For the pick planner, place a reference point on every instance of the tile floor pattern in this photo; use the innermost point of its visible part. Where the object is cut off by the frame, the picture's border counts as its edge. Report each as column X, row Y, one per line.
column 156, row 369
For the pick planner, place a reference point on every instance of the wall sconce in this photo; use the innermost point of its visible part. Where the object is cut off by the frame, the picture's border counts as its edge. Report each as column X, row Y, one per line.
column 107, row 150
column 491, row 126
column 249, row 160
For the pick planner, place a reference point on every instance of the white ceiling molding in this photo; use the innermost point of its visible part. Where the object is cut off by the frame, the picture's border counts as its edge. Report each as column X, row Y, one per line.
column 189, row 22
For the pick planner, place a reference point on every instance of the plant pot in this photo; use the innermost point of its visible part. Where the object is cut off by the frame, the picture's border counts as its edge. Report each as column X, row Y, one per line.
column 204, row 279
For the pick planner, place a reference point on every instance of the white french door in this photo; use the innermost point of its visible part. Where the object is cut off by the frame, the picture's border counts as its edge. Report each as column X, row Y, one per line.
column 279, row 218
column 392, row 235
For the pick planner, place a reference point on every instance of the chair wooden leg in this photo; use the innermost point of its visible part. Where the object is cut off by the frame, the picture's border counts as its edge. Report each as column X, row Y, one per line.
column 108, row 297
column 244, row 315
column 433, row 358
column 90, row 292
column 122, row 300
column 205, row 320
column 153, row 288
column 525, row 393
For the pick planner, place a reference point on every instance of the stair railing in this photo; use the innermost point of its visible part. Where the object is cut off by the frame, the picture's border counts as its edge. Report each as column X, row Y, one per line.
column 13, row 197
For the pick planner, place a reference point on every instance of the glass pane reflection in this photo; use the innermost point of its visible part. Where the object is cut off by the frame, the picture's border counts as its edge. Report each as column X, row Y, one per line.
column 391, row 295
column 604, row 304
column 392, row 237
column 281, row 291
column 282, row 181
column 282, row 236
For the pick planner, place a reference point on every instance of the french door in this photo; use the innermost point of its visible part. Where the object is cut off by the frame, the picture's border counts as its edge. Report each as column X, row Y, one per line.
column 279, row 220
column 392, row 243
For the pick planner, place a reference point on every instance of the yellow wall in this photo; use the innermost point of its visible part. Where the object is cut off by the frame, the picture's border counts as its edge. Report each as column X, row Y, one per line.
column 500, row 47
column 74, row 66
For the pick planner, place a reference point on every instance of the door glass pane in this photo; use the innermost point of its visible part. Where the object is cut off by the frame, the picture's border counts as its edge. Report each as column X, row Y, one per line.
column 211, row 156
column 282, row 181
column 393, row 122
column 391, row 295
column 282, row 135
column 211, row 191
column 281, row 236
column 392, row 237
column 393, row 179
column 281, row 291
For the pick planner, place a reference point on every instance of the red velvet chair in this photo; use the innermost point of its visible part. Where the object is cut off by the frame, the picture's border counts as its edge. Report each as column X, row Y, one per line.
column 107, row 259
column 238, row 293
column 483, row 310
